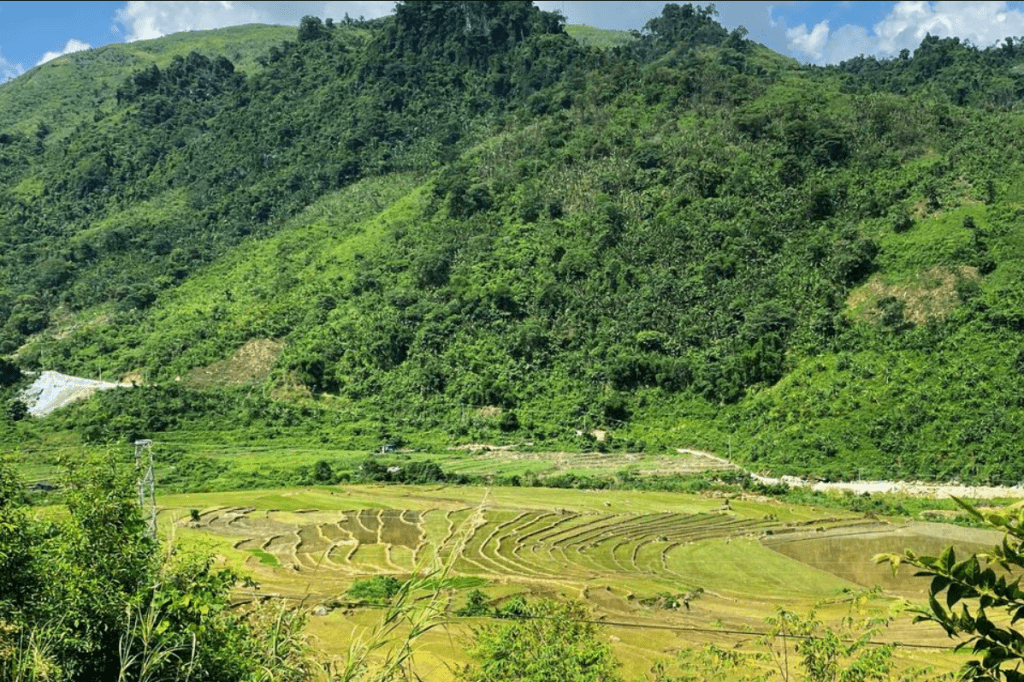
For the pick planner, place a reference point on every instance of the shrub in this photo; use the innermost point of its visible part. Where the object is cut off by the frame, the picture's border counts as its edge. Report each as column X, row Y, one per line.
column 548, row 641
column 380, row 589
column 9, row 373
column 92, row 596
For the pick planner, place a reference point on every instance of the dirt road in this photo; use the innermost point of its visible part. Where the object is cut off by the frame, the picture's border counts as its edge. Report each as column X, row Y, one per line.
column 911, row 488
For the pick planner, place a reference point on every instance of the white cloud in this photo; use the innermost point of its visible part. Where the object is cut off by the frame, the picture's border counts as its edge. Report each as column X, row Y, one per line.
column 144, row 19
column 9, row 70
column 981, row 23
column 72, row 46
column 809, row 43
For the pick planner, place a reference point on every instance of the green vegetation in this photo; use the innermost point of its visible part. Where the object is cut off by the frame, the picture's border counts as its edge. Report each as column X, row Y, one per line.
column 548, row 641
column 92, row 596
column 602, row 39
column 380, row 589
column 822, row 653
column 53, row 99
column 470, row 223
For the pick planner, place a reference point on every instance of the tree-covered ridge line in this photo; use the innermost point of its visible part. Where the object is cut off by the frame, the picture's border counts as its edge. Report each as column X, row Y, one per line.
column 57, row 95
column 685, row 238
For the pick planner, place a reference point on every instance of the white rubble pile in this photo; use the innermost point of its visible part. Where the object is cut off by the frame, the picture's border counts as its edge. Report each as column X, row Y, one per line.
column 52, row 390
column 909, row 488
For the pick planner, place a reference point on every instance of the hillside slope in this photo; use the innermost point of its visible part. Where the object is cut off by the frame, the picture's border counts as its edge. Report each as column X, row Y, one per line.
column 461, row 222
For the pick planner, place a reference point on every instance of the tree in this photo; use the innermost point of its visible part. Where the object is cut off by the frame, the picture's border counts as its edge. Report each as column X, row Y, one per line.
column 17, row 558
column 9, row 373
column 828, row 655
column 844, row 652
column 687, row 26
column 17, row 410
column 990, row 598
column 322, row 472
column 91, row 596
column 547, row 641
column 892, row 310
column 311, row 28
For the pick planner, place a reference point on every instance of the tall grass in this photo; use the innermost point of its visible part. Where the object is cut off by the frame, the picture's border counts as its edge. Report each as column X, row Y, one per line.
column 27, row 657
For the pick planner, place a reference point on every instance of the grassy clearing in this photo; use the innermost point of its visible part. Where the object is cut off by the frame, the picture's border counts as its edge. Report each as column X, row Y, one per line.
column 597, row 37
column 265, row 558
column 745, row 567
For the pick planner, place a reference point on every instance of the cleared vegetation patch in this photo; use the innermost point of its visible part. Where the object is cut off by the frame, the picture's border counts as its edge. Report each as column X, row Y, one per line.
column 928, row 295
column 250, row 364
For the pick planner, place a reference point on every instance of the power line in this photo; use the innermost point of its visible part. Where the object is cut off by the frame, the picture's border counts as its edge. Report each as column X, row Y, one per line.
column 651, row 626
column 679, row 628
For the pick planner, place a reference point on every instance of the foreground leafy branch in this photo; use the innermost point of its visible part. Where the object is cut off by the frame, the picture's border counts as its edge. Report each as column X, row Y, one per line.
column 978, row 598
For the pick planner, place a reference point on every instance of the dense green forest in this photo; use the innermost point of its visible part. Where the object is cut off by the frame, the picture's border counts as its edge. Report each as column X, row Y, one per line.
column 463, row 223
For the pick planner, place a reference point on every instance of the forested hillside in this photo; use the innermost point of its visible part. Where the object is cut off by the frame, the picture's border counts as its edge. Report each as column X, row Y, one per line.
column 460, row 220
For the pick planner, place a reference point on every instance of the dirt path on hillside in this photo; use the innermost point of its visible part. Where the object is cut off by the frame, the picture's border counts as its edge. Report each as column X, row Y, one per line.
column 935, row 491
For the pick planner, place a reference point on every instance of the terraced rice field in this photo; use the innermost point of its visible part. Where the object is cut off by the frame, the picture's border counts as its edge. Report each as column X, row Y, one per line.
column 495, row 543
column 744, row 558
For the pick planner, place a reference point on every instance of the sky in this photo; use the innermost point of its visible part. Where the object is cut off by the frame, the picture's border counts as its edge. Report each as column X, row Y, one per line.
column 32, row 33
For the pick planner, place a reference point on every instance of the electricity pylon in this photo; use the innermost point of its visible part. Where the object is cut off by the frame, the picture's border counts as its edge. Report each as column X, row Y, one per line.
column 147, row 482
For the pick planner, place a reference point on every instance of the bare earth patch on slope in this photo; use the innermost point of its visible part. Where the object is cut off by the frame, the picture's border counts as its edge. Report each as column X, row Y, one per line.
column 250, row 364
column 931, row 295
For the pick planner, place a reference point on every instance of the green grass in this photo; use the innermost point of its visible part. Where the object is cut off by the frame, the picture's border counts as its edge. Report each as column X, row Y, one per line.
column 241, row 44
column 938, row 239
column 265, row 558
column 746, row 567
column 290, row 499
column 600, row 38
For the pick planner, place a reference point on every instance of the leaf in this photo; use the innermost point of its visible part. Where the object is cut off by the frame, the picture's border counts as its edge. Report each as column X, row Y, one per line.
column 948, row 558
column 894, row 561
column 986, row 628
column 969, row 509
column 956, row 591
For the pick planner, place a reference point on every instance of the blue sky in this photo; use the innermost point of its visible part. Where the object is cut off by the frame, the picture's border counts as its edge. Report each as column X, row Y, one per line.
column 818, row 32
